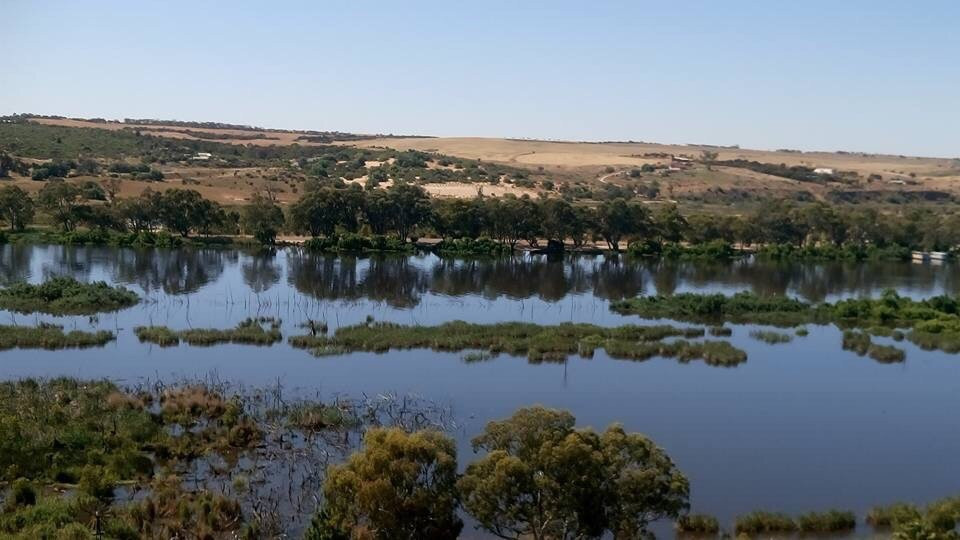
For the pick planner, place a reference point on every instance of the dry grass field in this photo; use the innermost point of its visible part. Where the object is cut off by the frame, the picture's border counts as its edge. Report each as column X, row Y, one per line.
column 582, row 163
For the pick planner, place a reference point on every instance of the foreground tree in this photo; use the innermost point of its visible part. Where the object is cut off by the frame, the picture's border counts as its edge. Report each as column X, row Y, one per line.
column 400, row 486
column 542, row 479
column 262, row 218
column 16, row 207
column 185, row 210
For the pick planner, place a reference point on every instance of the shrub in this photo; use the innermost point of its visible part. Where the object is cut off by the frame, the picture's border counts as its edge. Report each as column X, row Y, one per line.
column 760, row 522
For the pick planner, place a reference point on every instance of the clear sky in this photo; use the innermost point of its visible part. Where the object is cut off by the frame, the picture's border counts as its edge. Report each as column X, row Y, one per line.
column 879, row 76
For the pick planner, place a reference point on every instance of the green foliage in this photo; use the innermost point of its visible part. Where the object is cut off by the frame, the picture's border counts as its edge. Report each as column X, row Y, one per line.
column 742, row 307
column 481, row 247
column 355, row 243
column 543, row 479
column 66, row 296
column 400, row 486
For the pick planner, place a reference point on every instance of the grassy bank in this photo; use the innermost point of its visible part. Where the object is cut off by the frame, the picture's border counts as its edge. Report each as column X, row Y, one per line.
column 536, row 342
column 66, row 296
column 258, row 331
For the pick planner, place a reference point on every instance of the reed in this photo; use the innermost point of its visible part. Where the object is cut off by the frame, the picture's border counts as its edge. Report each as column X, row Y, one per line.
column 770, row 337
column 252, row 331
column 761, row 522
column 697, row 524
column 831, row 521
column 51, row 337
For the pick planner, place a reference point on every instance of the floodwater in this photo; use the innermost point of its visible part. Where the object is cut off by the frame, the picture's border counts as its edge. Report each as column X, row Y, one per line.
column 798, row 427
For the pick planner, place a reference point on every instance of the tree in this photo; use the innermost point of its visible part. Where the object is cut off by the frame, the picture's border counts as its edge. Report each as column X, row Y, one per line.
column 141, row 213
column 16, row 207
column 185, row 210
column 411, row 205
column 6, row 164
column 708, row 157
column 542, row 479
column 60, row 200
column 670, row 224
column 616, row 219
column 558, row 219
column 513, row 219
column 322, row 210
column 400, row 486
column 262, row 218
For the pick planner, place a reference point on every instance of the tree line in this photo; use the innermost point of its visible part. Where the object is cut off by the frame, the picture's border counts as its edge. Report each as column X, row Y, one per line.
column 406, row 211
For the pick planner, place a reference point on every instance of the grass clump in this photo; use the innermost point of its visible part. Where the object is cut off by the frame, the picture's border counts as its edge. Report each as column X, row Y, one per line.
column 831, row 521
column 538, row 343
column 50, row 336
column 697, row 524
column 760, row 522
column 252, row 331
column 721, row 331
column 66, row 296
column 802, row 332
column 885, row 517
column 770, row 337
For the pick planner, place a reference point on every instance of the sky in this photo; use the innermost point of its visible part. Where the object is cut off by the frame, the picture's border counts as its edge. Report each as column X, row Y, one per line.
column 874, row 76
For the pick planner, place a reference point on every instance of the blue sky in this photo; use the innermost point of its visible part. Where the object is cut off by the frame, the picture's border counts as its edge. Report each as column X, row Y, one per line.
column 853, row 75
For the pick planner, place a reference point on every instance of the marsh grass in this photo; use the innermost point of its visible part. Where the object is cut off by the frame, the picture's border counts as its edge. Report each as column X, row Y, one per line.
column 831, row 521
column 697, row 524
column 721, row 331
column 770, row 337
column 65, row 296
column 761, row 522
column 885, row 517
column 252, row 331
column 538, row 343
column 802, row 331
column 50, row 336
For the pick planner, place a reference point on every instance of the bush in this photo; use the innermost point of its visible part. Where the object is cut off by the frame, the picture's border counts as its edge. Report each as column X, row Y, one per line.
column 697, row 524
column 761, row 522
column 827, row 522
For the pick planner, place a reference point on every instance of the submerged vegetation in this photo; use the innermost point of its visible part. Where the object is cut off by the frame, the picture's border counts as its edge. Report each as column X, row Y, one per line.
column 538, row 343
column 65, row 296
column 177, row 461
column 252, row 331
column 50, row 336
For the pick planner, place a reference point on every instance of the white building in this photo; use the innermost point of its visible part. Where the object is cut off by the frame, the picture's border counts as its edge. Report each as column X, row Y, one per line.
column 824, row 171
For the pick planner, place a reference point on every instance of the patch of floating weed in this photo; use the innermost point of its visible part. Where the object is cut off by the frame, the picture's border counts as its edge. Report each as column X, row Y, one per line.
column 886, row 354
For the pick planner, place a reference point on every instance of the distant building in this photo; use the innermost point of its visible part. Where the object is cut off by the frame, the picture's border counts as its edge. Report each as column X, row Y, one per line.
column 678, row 163
column 824, row 171
column 202, row 156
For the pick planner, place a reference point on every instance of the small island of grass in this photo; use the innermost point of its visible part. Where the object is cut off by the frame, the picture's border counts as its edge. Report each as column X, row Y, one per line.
column 538, row 343
column 252, row 331
column 50, row 336
column 66, row 296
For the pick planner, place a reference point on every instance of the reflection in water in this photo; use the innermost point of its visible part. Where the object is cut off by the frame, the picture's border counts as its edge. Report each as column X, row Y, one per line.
column 15, row 263
column 402, row 281
column 260, row 270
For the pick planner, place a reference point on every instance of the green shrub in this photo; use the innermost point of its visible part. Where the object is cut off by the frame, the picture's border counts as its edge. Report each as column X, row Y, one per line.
column 760, row 522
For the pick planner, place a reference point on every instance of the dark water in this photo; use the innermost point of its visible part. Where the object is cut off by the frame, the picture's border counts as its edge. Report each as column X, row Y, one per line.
column 798, row 427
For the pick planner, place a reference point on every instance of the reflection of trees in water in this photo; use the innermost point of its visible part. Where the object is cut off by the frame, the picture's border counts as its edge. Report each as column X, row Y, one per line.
column 813, row 281
column 394, row 280
column 15, row 262
column 260, row 270
column 175, row 271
